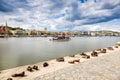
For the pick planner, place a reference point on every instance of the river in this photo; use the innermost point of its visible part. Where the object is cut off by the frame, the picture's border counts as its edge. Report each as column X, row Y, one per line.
column 22, row 51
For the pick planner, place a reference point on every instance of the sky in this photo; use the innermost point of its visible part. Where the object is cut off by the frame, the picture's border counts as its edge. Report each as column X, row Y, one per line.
column 61, row 15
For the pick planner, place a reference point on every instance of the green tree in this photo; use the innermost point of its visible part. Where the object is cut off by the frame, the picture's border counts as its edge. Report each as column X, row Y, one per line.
column 9, row 32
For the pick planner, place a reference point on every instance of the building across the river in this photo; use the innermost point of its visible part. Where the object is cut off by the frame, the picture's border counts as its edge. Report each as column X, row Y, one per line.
column 4, row 31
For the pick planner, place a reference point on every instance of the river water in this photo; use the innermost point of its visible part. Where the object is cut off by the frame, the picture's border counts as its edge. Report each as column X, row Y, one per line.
column 22, row 51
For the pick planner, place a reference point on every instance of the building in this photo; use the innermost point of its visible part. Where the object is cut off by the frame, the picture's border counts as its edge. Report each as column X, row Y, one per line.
column 4, row 30
column 92, row 33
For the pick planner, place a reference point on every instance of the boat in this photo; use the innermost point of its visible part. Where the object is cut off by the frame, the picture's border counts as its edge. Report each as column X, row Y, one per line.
column 61, row 38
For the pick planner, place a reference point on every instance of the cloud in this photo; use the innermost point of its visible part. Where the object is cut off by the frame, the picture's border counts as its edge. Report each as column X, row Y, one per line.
column 17, row 19
column 97, row 27
column 60, row 15
column 88, row 28
column 5, row 7
column 91, row 13
column 12, row 5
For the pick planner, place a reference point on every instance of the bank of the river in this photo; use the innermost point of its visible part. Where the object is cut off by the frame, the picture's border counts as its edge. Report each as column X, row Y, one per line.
column 104, row 67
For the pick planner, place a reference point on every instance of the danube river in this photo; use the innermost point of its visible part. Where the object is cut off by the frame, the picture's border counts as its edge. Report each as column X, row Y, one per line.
column 22, row 51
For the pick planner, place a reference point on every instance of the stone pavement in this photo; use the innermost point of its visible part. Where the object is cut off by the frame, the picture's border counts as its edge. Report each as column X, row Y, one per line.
column 106, row 67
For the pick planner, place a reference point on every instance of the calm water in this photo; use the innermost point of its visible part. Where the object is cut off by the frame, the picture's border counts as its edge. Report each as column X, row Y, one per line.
column 21, row 51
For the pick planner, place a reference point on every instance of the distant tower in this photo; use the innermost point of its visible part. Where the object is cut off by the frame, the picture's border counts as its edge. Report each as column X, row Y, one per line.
column 6, row 30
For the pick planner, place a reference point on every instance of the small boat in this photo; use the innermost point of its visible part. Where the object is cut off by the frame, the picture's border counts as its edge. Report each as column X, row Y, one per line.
column 61, row 38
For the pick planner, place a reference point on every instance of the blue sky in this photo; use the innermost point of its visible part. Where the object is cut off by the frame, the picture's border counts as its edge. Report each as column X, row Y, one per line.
column 61, row 15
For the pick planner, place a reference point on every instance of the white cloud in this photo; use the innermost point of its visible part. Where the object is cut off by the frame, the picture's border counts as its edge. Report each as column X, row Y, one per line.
column 37, row 14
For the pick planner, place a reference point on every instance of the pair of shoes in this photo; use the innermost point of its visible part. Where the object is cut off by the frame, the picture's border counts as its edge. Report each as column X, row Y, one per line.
column 61, row 59
column 31, row 68
column 73, row 61
column 45, row 64
column 22, row 74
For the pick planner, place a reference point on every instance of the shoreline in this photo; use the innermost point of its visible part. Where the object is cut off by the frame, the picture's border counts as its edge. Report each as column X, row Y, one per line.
column 53, row 66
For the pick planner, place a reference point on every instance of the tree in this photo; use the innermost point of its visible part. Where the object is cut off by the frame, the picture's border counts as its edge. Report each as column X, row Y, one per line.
column 9, row 32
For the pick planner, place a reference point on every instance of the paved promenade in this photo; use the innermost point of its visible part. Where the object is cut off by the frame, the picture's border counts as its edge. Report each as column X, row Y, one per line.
column 104, row 67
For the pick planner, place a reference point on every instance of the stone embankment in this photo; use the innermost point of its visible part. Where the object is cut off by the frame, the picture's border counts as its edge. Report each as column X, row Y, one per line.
column 101, row 64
